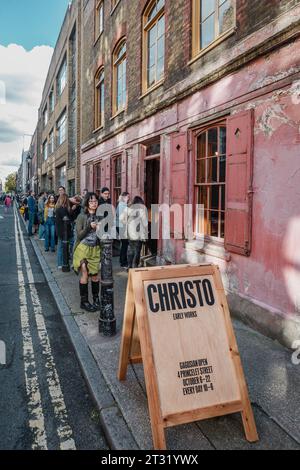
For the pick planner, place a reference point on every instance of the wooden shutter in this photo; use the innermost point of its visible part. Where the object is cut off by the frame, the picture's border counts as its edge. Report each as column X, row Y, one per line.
column 124, row 172
column 239, row 174
column 179, row 173
column 134, row 172
column 103, row 173
column 107, row 181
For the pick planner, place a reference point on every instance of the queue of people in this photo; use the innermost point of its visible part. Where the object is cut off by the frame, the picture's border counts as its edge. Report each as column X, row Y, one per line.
column 46, row 214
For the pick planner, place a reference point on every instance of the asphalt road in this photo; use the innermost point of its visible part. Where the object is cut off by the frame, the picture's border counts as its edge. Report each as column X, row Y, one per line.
column 44, row 401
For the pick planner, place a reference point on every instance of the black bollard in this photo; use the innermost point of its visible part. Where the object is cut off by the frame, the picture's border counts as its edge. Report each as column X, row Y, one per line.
column 107, row 320
column 66, row 245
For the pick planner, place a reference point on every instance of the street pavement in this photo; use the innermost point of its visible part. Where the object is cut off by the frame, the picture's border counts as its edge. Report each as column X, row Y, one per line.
column 273, row 380
column 44, row 399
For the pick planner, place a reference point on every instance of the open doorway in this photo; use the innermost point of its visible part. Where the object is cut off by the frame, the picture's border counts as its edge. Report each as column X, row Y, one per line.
column 152, row 177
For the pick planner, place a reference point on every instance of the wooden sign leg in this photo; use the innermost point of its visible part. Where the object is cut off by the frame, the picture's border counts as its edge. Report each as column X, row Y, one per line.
column 247, row 413
column 249, row 422
column 128, row 325
column 159, row 438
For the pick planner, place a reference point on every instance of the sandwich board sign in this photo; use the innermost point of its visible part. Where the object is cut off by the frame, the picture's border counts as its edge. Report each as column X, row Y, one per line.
column 177, row 323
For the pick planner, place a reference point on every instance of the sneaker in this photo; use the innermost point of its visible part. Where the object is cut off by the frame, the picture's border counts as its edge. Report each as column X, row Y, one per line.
column 59, row 267
column 47, row 251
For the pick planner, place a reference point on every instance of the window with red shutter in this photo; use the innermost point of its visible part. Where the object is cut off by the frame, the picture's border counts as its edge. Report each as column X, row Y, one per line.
column 210, row 181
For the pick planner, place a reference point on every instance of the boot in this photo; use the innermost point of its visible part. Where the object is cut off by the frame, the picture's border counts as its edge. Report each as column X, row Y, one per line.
column 95, row 292
column 84, row 294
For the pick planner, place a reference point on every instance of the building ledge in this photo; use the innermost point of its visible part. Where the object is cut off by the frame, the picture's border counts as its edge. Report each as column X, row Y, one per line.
column 211, row 248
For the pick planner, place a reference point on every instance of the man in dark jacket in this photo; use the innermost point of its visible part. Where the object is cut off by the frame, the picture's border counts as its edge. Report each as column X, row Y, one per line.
column 31, row 211
column 105, row 199
column 105, row 196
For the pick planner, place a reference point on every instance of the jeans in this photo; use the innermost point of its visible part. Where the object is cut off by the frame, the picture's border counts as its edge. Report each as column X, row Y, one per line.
column 60, row 259
column 42, row 231
column 123, row 253
column 42, row 228
column 50, row 234
column 31, row 222
column 134, row 253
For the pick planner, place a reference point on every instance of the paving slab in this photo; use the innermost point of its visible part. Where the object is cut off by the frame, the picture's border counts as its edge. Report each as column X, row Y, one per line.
column 274, row 383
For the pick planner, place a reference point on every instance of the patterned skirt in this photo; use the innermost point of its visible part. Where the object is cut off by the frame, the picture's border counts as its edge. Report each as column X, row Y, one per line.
column 91, row 255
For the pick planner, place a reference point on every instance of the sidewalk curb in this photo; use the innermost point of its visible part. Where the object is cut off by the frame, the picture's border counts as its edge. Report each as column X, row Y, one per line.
column 117, row 433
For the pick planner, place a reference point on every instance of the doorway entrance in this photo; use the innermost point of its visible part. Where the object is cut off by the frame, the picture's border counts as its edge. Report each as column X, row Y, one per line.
column 152, row 177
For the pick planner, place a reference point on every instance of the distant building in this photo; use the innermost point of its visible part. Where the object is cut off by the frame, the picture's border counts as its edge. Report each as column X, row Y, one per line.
column 32, row 160
column 23, row 173
column 59, row 119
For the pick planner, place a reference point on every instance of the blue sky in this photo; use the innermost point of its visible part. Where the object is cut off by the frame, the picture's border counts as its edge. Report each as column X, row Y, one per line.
column 31, row 23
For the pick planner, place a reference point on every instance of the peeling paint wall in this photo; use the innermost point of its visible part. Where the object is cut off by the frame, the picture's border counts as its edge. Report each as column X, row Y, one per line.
column 271, row 86
column 271, row 274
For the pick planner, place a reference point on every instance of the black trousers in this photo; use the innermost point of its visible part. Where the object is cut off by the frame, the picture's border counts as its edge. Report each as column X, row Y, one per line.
column 134, row 253
column 123, row 253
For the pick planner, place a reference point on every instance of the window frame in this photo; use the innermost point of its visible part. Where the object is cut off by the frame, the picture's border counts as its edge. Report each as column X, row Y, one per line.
column 64, row 66
column 116, row 189
column 197, row 51
column 147, row 26
column 51, row 141
column 51, row 101
column 99, row 4
column 97, row 177
column 115, row 63
column 196, row 185
column 63, row 114
column 99, row 114
column 45, row 150
column 45, row 116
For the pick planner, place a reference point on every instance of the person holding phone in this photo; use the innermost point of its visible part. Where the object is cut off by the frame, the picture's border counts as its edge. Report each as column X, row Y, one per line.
column 86, row 259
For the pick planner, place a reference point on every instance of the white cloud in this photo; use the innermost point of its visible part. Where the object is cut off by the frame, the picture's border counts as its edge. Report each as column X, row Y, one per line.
column 22, row 77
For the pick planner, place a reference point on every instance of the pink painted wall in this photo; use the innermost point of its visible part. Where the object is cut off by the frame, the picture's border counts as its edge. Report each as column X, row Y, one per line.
column 271, row 86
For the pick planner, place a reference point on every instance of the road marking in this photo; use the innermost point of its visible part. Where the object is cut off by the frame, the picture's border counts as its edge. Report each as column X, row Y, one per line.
column 36, row 415
column 64, row 431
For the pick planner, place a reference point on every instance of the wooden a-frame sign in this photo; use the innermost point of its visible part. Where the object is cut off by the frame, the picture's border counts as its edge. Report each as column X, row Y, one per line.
column 177, row 323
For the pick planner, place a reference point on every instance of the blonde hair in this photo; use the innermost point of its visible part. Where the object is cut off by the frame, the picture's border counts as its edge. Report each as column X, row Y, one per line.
column 63, row 201
column 48, row 200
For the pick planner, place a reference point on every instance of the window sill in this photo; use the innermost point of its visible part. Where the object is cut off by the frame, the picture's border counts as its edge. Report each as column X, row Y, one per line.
column 211, row 248
column 60, row 145
column 117, row 114
column 95, row 131
column 97, row 38
column 211, row 46
column 114, row 8
column 154, row 87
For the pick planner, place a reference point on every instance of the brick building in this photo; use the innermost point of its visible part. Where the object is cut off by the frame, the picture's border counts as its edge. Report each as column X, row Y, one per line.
column 59, row 119
column 192, row 101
